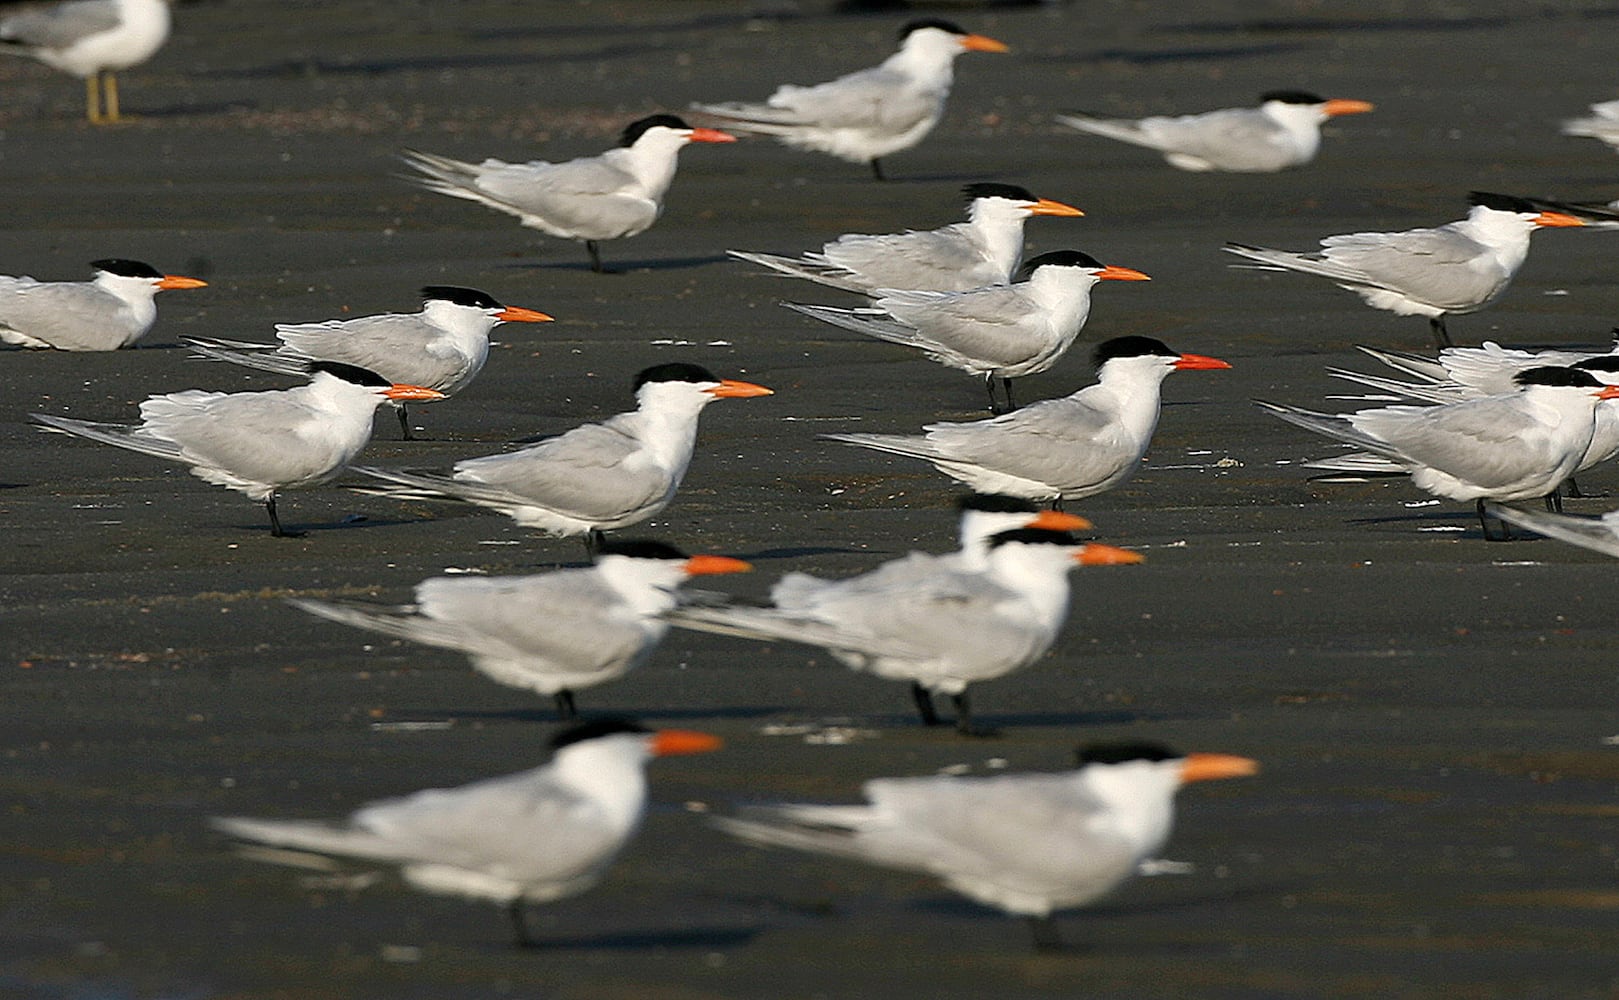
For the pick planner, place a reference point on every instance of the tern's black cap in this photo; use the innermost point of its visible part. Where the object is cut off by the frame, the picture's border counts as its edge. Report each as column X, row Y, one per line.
column 1502, row 202
column 635, row 129
column 1057, row 258
column 470, row 297
column 1132, row 347
column 349, row 373
column 997, row 503
column 1123, row 753
column 1556, row 375
column 126, row 268
column 595, row 729
column 641, row 548
column 930, row 22
column 973, row 192
column 1032, row 536
column 1291, row 97
column 678, row 371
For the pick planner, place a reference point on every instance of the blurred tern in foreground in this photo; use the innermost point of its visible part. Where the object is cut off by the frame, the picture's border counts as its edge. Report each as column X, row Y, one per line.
column 91, row 39
column 984, row 250
column 258, row 443
column 1284, row 131
column 1602, row 123
column 552, row 633
column 865, row 116
column 1027, row 844
column 1599, row 534
column 1517, row 446
column 938, row 627
column 1459, row 267
column 530, row 837
column 112, row 310
column 593, row 478
column 1056, row 449
column 1002, row 331
column 442, row 347
column 593, row 198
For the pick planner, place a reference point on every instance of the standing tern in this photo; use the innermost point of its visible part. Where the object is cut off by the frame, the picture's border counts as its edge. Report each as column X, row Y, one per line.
column 984, row 250
column 1459, row 267
column 1056, row 449
column 593, row 478
column 552, row 633
column 1284, row 131
column 1599, row 534
column 1024, row 843
column 1602, row 123
column 112, row 310
column 442, row 347
column 530, row 837
column 592, row 198
column 91, row 39
column 936, row 626
column 1515, row 446
column 1002, row 331
column 258, row 443
column 867, row 115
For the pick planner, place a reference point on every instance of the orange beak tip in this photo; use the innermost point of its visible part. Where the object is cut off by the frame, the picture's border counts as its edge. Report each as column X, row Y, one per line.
column 732, row 389
column 1558, row 220
column 1056, row 520
column 1096, row 554
column 1214, row 766
column 517, row 314
column 1344, row 106
column 711, row 135
column 713, row 565
column 174, row 282
column 983, row 43
column 411, row 393
column 673, row 742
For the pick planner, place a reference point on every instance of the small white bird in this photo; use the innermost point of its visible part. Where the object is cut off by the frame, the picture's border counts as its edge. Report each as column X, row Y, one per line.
column 552, row 633
column 1056, row 449
column 593, row 478
column 1516, row 446
column 1026, row 844
column 937, row 626
column 1602, row 123
column 112, row 310
column 867, row 115
column 91, row 39
column 593, row 198
column 442, row 347
column 1459, row 267
column 530, row 837
column 1002, row 331
column 1284, row 131
column 1599, row 534
column 258, row 443
column 984, row 250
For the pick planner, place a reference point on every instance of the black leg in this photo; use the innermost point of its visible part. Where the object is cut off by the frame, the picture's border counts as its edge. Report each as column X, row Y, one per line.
column 1006, row 386
column 593, row 542
column 517, row 912
column 964, row 718
column 595, row 257
column 1484, row 523
column 1047, row 936
column 1441, row 336
column 565, row 707
column 877, row 169
column 1573, row 491
column 989, row 385
column 404, row 423
column 1554, row 502
column 924, row 704
column 275, row 522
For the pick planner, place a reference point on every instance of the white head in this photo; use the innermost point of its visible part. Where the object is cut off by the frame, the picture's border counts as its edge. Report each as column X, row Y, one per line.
column 988, row 202
column 936, row 38
column 647, row 573
column 452, row 305
column 1136, row 357
column 1138, row 781
column 986, row 514
column 680, row 385
column 132, row 279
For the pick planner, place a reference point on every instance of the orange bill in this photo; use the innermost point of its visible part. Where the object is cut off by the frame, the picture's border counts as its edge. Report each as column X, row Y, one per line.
column 710, row 565
column 732, row 389
column 1607, row 392
column 983, row 43
column 411, row 393
column 1555, row 219
column 711, row 135
column 670, row 742
column 1343, row 106
column 175, row 281
column 1212, row 766
column 1045, row 206
column 1112, row 273
column 1056, row 520
column 517, row 314
column 1095, row 554
column 1200, row 361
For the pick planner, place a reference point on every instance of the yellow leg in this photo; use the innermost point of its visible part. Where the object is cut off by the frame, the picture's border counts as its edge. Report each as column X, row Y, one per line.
column 111, row 86
column 92, row 98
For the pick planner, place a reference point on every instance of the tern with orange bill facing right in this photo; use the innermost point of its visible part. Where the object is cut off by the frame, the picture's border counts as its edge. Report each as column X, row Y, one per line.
column 112, row 310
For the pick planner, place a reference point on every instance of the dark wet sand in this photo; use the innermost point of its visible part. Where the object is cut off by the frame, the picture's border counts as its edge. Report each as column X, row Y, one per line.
column 1434, row 713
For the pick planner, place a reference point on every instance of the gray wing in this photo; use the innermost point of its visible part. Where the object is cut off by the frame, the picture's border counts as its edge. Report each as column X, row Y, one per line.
column 258, row 437
column 942, row 260
column 1056, row 436
column 1474, row 440
column 875, row 98
column 996, row 327
column 590, row 470
column 60, row 25
column 401, row 347
column 1439, row 264
column 66, row 315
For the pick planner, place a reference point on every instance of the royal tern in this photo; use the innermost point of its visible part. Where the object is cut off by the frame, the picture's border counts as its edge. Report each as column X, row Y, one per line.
column 596, row 477
column 1027, row 844
column 112, row 310
column 258, row 443
column 91, row 39
column 442, row 347
column 1284, row 131
column 867, row 115
column 1602, row 123
column 1459, row 267
column 1002, row 331
column 936, row 626
column 1056, row 449
column 984, row 250
column 552, row 633
column 1599, row 534
column 592, row 198
column 1515, row 446
column 530, row 837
